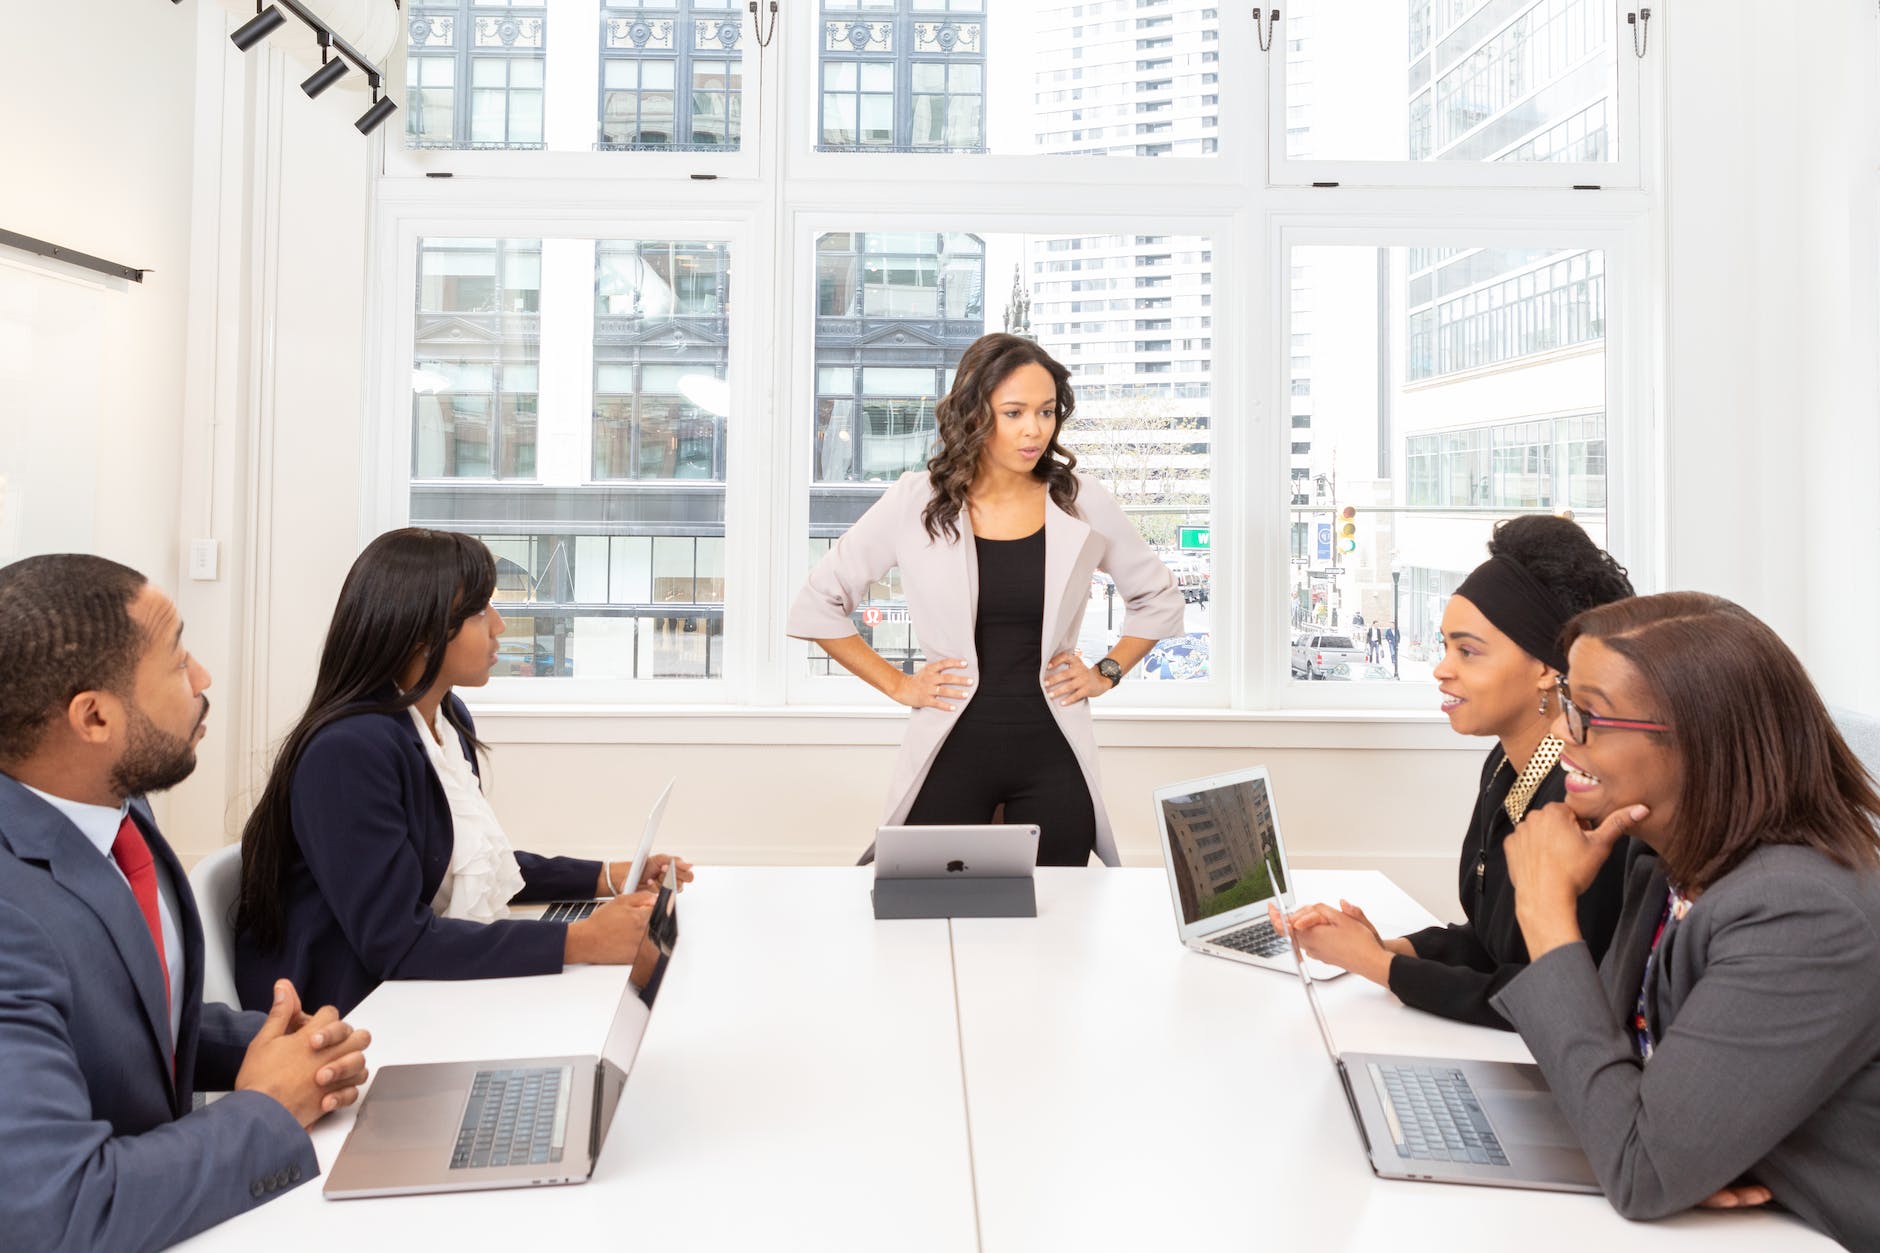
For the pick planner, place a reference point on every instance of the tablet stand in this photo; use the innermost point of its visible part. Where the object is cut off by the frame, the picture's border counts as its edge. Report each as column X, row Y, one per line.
column 955, row 898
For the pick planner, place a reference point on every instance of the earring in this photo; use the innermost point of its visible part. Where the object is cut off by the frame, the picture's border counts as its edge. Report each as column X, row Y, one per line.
column 1543, row 708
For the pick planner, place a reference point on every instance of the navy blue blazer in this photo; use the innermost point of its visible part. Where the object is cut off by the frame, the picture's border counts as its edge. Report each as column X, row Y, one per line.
column 372, row 843
column 101, row 1148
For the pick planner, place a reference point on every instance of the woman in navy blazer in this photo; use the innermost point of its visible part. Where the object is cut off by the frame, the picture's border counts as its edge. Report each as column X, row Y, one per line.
column 344, row 858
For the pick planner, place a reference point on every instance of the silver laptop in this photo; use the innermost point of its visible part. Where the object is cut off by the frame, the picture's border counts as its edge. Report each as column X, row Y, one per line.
column 574, row 911
column 1453, row 1120
column 467, row 1126
column 1221, row 844
column 967, row 852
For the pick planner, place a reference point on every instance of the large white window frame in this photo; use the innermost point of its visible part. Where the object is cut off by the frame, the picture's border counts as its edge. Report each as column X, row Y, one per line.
column 388, row 436
column 810, row 224
column 1631, row 432
column 1634, row 105
column 790, row 194
column 573, row 55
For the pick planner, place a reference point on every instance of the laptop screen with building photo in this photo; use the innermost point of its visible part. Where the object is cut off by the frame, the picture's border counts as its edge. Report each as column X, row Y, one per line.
column 1225, row 858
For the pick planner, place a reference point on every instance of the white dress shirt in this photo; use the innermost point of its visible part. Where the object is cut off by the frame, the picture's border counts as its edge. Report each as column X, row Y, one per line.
column 99, row 824
column 483, row 874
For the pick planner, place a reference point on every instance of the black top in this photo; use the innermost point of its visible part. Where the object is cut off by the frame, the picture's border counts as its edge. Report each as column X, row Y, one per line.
column 1457, row 968
column 1010, row 626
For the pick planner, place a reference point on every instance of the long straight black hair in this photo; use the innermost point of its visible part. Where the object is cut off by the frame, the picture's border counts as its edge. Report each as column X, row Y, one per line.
column 406, row 596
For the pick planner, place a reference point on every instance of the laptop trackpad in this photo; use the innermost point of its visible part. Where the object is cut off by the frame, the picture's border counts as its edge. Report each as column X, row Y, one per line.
column 419, row 1113
column 1528, row 1120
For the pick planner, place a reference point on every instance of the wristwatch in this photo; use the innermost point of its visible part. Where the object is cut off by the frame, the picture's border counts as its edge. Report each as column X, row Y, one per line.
column 1110, row 670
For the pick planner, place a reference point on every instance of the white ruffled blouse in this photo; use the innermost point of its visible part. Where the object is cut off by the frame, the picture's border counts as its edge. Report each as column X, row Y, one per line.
column 483, row 873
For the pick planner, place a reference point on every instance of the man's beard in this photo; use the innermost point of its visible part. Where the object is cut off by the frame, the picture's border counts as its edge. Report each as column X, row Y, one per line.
column 154, row 760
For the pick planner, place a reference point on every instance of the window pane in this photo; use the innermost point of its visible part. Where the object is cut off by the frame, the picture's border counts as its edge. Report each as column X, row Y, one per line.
column 607, row 567
column 659, row 412
column 515, row 57
column 1143, row 416
column 1436, row 80
column 1488, row 401
column 473, row 379
column 1011, row 76
column 673, row 43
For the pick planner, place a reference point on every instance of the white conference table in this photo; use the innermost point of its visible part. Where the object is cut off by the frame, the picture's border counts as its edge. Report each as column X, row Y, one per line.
column 798, row 1087
column 1125, row 1093
column 813, row 1079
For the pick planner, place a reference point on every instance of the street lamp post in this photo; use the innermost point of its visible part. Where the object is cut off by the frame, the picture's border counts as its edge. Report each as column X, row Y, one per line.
column 1396, row 622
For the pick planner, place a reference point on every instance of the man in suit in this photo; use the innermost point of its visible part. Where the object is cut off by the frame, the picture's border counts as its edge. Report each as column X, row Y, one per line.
column 104, row 1035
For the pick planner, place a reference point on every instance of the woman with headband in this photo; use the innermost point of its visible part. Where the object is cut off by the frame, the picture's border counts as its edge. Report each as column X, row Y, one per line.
column 1501, row 656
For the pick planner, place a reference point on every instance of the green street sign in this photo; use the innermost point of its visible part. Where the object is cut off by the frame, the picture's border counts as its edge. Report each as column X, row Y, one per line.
column 1195, row 539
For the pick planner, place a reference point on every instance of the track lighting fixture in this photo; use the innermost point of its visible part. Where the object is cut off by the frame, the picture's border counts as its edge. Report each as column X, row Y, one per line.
column 382, row 108
column 330, row 71
column 337, row 56
column 251, row 32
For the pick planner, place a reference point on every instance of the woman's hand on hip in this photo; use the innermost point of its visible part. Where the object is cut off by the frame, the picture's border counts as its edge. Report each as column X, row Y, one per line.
column 931, row 687
column 1069, row 680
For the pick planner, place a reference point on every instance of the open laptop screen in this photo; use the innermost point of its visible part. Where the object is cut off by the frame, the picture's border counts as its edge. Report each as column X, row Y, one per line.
column 1220, row 838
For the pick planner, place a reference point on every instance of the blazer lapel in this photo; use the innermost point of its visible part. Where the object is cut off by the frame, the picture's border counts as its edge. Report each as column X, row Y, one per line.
column 1064, row 538
column 1624, row 967
column 38, row 832
column 969, row 571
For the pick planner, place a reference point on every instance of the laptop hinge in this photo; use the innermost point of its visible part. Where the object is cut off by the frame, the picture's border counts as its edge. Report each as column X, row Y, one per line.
column 1351, row 1099
column 609, row 1082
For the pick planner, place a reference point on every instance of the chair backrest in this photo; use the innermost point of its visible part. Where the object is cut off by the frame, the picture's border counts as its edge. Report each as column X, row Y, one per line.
column 1862, row 733
column 217, row 883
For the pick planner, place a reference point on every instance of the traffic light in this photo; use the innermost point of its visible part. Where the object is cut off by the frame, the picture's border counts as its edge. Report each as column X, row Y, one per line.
column 1348, row 529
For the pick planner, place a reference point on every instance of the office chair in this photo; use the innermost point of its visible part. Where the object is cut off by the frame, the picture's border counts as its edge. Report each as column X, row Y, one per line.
column 217, row 883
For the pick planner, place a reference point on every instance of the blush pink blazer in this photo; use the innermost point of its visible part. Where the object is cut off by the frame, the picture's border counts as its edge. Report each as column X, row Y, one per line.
column 941, row 578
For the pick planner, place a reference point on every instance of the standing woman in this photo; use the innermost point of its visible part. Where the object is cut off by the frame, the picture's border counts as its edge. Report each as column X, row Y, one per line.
column 996, row 544
column 373, row 854
column 1727, row 1050
column 1501, row 655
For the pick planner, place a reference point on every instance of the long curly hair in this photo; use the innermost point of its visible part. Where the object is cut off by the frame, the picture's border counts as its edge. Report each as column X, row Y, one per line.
column 966, row 422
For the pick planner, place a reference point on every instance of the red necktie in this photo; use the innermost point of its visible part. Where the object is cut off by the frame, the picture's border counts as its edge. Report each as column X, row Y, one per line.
column 133, row 858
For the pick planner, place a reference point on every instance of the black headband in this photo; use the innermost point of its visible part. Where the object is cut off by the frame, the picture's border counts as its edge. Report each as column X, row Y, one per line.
column 1522, row 607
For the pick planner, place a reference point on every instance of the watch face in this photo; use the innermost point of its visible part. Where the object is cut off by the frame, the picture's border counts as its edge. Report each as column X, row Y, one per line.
column 1110, row 669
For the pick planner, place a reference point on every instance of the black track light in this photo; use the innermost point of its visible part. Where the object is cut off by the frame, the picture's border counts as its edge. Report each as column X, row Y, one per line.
column 330, row 72
column 373, row 118
column 257, row 28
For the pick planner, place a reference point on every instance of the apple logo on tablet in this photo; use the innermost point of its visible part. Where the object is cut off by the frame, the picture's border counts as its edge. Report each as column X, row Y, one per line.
column 954, row 867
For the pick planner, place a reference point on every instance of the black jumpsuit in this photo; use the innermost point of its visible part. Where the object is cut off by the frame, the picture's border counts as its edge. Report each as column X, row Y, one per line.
column 1006, row 747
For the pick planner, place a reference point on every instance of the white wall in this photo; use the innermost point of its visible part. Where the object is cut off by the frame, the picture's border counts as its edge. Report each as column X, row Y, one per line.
column 1772, row 405
column 255, row 434
column 91, row 374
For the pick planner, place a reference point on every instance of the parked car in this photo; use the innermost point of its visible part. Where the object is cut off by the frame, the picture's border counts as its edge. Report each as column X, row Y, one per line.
column 1324, row 655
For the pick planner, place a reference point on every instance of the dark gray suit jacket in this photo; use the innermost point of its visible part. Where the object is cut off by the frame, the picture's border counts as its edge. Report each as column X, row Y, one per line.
column 1765, row 1008
column 100, row 1148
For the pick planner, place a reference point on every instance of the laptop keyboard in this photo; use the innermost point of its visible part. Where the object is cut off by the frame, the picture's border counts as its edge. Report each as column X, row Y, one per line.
column 1259, row 939
column 569, row 911
column 514, row 1118
column 1435, row 1115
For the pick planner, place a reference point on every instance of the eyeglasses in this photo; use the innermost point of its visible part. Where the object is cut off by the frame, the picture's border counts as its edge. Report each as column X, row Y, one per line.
column 1578, row 720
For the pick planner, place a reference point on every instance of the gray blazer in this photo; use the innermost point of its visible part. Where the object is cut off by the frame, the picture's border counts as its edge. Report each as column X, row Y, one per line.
column 1764, row 1004
column 101, row 1148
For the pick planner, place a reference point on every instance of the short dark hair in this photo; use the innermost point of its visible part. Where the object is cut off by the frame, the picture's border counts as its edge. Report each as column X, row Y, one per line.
column 1763, row 762
column 65, row 628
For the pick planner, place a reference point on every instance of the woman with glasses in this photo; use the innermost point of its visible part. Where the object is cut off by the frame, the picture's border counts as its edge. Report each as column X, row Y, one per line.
column 1496, row 675
column 1727, row 1050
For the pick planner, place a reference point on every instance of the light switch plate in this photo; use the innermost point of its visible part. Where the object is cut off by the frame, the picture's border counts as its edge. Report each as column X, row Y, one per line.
column 203, row 554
